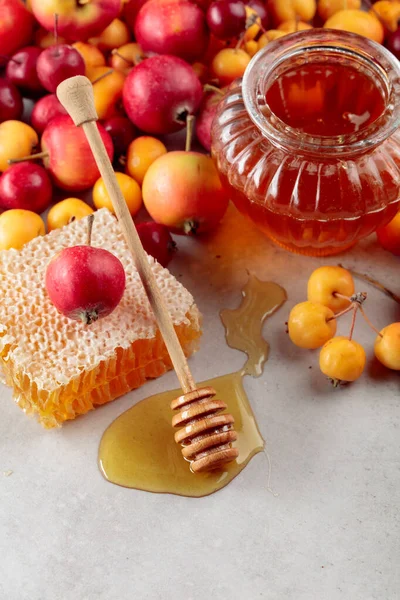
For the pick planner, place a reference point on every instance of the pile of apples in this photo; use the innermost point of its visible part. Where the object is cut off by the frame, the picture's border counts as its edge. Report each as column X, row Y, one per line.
column 154, row 65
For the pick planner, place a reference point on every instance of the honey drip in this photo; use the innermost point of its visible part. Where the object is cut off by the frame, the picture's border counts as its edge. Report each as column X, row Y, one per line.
column 138, row 449
column 243, row 325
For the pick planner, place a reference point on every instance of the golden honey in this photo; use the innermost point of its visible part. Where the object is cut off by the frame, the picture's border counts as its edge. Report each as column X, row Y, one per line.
column 138, row 450
column 243, row 325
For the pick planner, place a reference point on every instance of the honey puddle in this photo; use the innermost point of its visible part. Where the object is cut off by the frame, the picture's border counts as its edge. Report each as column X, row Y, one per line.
column 243, row 325
column 138, row 449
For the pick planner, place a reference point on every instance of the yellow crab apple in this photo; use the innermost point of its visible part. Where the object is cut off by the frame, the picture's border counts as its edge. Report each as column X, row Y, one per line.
column 107, row 89
column 357, row 21
column 388, row 12
column 125, row 57
column 116, row 34
column 288, row 10
column 16, row 141
column 91, row 55
column 327, row 8
column 270, row 36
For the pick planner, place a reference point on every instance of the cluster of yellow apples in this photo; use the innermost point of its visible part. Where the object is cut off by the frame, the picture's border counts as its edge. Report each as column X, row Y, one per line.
column 312, row 324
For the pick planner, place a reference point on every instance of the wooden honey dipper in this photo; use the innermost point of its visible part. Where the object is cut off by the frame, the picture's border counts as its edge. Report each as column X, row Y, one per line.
column 206, row 435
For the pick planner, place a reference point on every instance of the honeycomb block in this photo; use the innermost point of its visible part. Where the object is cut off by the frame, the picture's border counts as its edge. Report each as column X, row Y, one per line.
column 60, row 368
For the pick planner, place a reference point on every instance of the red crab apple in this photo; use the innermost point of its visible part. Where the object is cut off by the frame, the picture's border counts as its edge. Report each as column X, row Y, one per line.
column 159, row 94
column 122, row 132
column 27, row 186
column 226, row 18
column 205, row 118
column 85, row 283
column 67, row 155
column 183, row 191
column 21, row 70
column 77, row 20
column 57, row 63
column 130, row 11
column 16, row 26
column 45, row 109
column 176, row 27
column 157, row 241
column 11, row 106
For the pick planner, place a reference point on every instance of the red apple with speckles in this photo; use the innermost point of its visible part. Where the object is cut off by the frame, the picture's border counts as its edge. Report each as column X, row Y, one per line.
column 57, row 63
column 157, row 241
column 122, row 132
column 21, row 70
column 85, row 283
column 160, row 93
column 70, row 160
column 205, row 118
column 16, row 26
column 27, row 186
column 131, row 10
column 44, row 111
column 175, row 27
column 11, row 106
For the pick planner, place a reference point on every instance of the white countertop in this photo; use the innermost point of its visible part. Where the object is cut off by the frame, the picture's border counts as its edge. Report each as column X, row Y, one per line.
column 329, row 531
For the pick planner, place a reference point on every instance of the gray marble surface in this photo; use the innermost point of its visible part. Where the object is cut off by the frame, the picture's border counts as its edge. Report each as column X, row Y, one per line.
column 322, row 524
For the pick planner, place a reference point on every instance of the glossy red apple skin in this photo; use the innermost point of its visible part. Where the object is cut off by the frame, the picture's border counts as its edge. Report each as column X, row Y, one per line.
column 205, row 118
column 175, row 27
column 11, row 105
column 70, row 161
column 83, row 21
column 21, row 70
column 122, row 132
column 57, row 63
column 44, row 111
column 16, row 26
column 85, row 283
column 160, row 92
column 25, row 185
column 131, row 10
column 157, row 241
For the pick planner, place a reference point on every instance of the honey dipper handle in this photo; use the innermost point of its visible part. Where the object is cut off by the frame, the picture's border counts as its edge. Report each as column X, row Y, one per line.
column 76, row 95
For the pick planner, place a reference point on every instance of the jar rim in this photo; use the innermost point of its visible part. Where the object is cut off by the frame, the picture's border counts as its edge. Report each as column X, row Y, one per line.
column 341, row 43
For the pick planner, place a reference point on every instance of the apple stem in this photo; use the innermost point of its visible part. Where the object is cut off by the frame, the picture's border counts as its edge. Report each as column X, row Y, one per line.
column 37, row 156
column 56, row 29
column 116, row 53
column 90, row 229
column 189, row 132
column 100, row 77
column 353, row 320
column 212, row 88
column 240, row 40
column 373, row 282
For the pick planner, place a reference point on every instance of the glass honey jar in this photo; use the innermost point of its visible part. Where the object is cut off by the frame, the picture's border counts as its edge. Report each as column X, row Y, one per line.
column 308, row 142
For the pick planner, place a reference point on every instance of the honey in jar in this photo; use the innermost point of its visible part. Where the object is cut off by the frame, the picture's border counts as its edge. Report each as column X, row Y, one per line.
column 308, row 142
